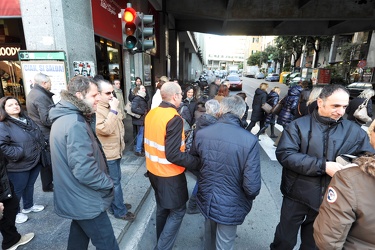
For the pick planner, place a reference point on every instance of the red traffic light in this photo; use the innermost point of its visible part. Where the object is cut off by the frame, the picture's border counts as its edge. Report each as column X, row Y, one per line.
column 129, row 15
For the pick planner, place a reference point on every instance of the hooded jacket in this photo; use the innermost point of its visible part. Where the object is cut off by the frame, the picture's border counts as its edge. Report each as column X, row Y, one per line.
column 230, row 176
column 290, row 104
column 346, row 216
column 305, row 146
column 82, row 186
column 260, row 98
column 272, row 99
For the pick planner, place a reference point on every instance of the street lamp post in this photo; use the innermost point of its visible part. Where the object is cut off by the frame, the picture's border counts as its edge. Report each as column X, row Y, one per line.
column 316, row 53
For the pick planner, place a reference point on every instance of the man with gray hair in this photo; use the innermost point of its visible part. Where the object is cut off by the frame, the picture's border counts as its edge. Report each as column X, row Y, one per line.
column 230, row 176
column 38, row 103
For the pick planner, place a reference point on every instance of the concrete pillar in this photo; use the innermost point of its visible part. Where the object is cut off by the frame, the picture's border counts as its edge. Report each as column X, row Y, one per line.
column 45, row 24
column 371, row 52
column 182, row 60
column 333, row 50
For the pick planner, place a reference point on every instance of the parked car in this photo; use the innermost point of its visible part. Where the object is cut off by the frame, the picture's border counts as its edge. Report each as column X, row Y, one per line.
column 291, row 76
column 273, row 77
column 295, row 81
column 259, row 75
column 356, row 88
column 234, row 81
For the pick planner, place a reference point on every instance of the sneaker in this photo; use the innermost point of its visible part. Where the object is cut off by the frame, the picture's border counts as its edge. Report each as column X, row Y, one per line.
column 24, row 239
column 129, row 216
column 21, row 218
column 35, row 209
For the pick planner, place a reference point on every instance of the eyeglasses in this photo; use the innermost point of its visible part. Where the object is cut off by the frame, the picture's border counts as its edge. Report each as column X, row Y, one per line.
column 108, row 93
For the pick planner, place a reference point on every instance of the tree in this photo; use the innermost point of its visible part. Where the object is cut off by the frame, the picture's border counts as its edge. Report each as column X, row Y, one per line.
column 257, row 58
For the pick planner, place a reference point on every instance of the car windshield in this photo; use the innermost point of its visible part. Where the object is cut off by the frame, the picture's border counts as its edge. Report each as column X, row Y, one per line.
column 233, row 78
column 275, row 74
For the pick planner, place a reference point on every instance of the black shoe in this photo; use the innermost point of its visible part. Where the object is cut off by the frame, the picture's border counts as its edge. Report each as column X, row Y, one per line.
column 146, row 174
column 48, row 190
column 273, row 136
column 128, row 206
column 139, row 154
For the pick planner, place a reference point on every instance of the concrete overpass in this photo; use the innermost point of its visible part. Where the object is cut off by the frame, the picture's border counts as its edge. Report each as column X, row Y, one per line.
column 270, row 17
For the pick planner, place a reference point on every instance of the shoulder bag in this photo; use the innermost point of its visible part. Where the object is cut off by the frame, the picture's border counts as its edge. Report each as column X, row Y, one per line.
column 361, row 113
column 277, row 108
column 128, row 109
column 266, row 107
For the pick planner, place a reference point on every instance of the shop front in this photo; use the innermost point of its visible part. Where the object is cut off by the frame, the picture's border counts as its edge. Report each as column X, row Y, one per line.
column 11, row 41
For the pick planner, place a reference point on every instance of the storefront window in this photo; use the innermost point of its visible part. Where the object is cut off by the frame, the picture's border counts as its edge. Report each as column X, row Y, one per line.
column 108, row 57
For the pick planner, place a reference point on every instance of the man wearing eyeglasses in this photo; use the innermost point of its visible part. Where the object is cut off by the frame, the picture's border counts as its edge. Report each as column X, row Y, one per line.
column 166, row 161
column 110, row 131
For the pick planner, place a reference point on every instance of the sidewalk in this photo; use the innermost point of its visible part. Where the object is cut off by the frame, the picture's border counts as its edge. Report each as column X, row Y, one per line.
column 51, row 231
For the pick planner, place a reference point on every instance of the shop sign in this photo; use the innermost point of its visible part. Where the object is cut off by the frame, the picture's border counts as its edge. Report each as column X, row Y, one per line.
column 9, row 52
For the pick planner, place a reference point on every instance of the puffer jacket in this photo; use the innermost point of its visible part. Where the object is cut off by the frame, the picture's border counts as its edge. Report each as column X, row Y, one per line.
column 272, row 99
column 346, row 221
column 139, row 106
column 82, row 186
column 21, row 143
column 260, row 97
column 305, row 146
column 110, row 131
column 230, row 176
column 290, row 104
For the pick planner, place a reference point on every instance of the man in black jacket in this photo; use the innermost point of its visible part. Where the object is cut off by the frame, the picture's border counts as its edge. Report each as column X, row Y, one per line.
column 307, row 151
column 38, row 103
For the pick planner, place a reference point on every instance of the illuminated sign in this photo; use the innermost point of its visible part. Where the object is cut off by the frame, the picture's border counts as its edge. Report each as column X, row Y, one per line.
column 9, row 51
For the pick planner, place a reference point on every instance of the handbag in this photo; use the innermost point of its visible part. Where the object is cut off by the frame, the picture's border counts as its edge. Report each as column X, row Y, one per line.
column 361, row 112
column 266, row 107
column 128, row 109
column 277, row 108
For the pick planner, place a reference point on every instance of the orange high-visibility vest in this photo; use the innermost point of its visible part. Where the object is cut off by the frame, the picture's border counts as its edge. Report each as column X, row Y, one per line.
column 154, row 142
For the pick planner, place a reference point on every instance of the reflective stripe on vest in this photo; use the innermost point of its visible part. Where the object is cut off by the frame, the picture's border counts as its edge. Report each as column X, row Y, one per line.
column 154, row 141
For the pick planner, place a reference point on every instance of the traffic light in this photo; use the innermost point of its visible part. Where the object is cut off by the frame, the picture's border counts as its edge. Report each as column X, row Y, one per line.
column 130, row 22
column 146, row 31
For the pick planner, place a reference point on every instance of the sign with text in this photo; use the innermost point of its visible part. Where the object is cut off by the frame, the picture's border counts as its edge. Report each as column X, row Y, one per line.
column 54, row 69
column 9, row 52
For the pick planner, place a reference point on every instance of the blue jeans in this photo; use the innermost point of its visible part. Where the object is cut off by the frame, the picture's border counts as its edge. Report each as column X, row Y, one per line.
column 139, row 144
column 98, row 229
column 117, row 206
column 23, row 183
column 168, row 222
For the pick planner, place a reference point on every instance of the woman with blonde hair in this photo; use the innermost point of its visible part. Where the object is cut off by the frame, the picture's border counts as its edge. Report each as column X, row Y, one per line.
column 258, row 114
column 354, row 104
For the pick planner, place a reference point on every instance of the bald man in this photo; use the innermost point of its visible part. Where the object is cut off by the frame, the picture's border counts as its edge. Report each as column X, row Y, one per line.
column 166, row 161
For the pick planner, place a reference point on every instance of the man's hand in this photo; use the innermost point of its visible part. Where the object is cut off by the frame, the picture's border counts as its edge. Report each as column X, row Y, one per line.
column 332, row 167
column 113, row 104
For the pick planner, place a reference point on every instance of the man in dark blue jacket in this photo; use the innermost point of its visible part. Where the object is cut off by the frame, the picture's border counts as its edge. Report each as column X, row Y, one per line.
column 230, row 175
column 307, row 151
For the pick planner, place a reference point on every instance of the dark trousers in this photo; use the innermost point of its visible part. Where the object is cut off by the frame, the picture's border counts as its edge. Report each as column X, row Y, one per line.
column 46, row 178
column 98, row 229
column 294, row 215
column 252, row 125
column 7, row 223
column 168, row 222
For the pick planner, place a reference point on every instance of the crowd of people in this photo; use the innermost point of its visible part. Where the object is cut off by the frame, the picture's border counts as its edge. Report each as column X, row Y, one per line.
column 77, row 144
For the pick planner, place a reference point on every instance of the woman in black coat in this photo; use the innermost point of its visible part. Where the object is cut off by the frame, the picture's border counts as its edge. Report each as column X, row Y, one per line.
column 258, row 114
column 139, row 106
column 188, row 107
column 11, row 205
column 353, row 105
column 22, row 144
